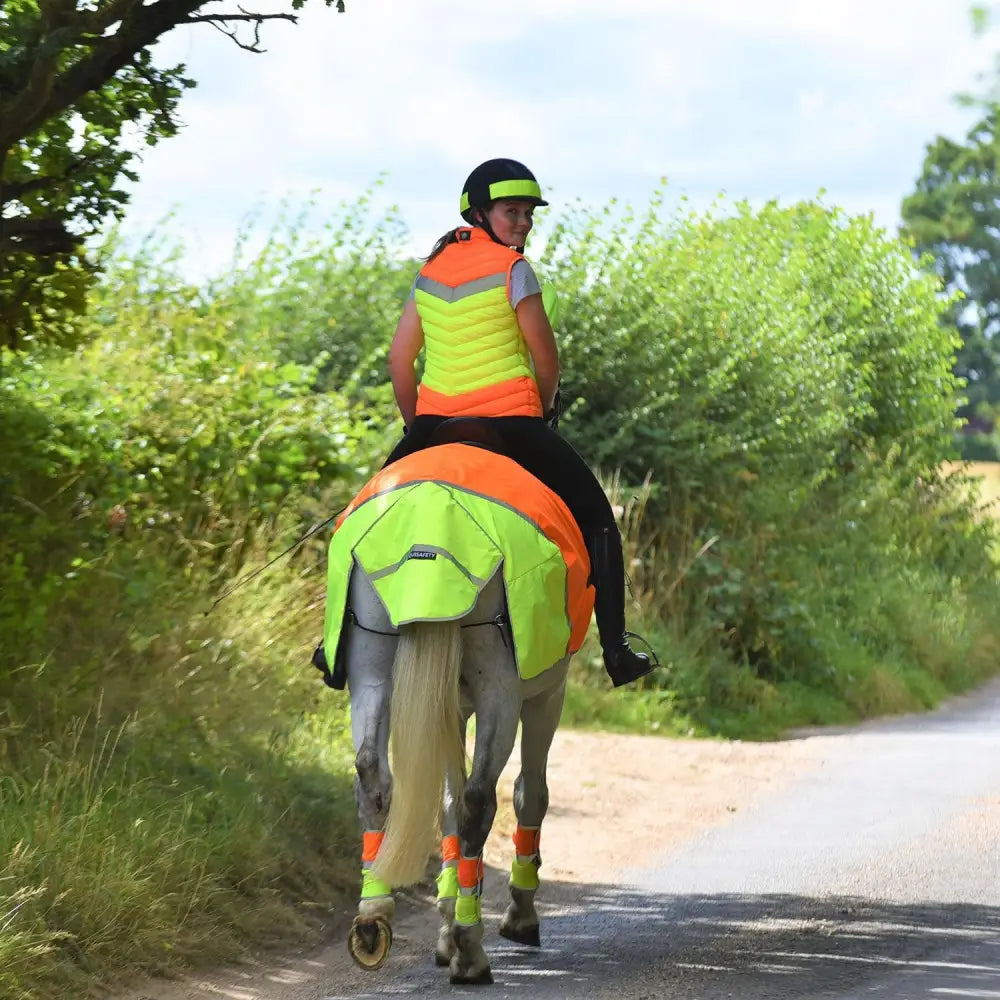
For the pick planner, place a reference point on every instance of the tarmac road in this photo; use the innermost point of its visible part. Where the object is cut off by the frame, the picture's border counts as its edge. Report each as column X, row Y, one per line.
column 874, row 875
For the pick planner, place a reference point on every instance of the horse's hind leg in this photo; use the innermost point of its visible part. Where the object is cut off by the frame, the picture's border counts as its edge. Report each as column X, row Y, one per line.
column 371, row 934
column 539, row 719
column 494, row 689
column 447, row 880
column 369, row 672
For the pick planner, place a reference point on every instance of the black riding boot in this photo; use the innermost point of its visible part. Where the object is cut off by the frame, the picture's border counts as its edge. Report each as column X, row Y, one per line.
column 607, row 572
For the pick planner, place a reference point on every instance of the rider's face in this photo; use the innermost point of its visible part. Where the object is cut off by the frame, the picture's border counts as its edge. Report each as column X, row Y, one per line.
column 511, row 220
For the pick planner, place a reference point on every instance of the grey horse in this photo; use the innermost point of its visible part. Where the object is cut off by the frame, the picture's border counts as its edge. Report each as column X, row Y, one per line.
column 414, row 686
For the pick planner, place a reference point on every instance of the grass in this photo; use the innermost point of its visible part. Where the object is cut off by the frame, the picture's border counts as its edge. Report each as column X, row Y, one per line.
column 985, row 480
column 867, row 629
column 197, row 803
column 989, row 473
column 185, row 791
column 117, row 869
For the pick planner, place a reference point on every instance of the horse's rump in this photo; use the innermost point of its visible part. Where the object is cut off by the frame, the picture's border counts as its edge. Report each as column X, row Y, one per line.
column 432, row 530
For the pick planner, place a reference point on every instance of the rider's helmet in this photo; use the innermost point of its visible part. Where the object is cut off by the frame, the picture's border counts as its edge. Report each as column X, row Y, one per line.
column 495, row 179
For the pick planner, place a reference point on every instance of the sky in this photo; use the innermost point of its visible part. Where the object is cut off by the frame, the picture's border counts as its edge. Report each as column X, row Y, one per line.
column 754, row 99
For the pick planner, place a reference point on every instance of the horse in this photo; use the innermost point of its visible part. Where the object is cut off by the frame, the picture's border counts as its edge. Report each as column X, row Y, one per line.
column 445, row 603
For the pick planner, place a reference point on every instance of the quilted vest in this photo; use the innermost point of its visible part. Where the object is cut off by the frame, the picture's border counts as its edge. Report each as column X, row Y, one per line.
column 476, row 361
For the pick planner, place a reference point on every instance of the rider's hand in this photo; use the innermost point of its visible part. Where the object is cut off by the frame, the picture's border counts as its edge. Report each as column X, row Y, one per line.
column 552, row 417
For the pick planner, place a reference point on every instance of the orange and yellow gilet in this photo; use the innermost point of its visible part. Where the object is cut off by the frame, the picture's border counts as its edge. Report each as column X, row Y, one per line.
column 477, row 362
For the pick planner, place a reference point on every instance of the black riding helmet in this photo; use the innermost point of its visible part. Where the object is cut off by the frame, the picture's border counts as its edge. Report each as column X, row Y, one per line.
column 497, row 179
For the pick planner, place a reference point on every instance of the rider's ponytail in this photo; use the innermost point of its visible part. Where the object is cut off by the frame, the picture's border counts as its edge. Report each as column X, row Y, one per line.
column 449, row 237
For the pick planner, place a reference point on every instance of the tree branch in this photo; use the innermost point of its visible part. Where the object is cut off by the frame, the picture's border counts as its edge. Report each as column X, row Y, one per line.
column 38, row 237
column 15, row 191
column 47, row 94
column 55, row 13
column 219, row 20
column 98, row 21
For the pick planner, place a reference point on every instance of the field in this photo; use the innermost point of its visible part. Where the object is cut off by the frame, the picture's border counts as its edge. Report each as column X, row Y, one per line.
column 988, row 474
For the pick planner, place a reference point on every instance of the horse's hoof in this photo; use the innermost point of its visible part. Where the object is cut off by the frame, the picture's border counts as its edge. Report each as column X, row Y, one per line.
column 522, row 935
column 441, row 961
column 369, row 942
column 484, row 978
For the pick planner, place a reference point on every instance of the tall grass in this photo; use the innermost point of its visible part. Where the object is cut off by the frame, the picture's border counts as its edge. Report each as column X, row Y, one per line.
column 203, row 806
column 864, row 604
column 174, row 785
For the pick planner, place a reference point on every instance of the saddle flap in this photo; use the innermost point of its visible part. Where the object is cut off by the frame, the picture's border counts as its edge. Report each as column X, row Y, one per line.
column 427, row 559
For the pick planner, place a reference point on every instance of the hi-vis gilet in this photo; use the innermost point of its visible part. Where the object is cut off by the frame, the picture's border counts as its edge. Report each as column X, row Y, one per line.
column 477, row 363
column 431, row 530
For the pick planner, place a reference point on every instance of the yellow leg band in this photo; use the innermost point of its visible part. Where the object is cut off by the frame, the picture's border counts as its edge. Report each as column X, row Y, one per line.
column 524, row 874
column 447, row 883
column 372, row 887
column 468, row 910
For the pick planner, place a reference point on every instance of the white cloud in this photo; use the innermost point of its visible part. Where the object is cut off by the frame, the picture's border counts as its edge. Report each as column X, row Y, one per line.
column 765, row 98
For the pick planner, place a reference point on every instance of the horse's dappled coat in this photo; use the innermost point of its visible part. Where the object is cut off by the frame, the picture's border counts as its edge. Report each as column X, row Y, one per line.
column 469, row 513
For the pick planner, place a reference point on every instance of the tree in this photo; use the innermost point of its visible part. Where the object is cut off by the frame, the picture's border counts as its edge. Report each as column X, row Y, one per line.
column 954, row 215
column 77, row 88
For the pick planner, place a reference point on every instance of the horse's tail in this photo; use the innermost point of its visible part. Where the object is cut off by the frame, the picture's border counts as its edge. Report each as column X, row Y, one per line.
column 425, row 742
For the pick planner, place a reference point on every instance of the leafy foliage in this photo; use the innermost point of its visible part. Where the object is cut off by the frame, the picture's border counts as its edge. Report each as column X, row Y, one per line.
column 708, row 350
column 783, row 378
column 79, row 95
column 169, row 427
column 326, row 295
column 952, row 216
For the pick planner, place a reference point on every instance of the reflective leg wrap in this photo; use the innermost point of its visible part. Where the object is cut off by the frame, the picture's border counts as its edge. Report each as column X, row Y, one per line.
column 468, row 907
column 527, row 859
column 447, row 881
column 372, row 887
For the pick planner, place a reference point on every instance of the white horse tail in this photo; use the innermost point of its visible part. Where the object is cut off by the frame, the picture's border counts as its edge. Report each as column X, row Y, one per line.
column 425, row 742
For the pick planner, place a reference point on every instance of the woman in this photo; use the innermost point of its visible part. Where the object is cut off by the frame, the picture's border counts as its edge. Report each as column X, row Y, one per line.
column 477, row 310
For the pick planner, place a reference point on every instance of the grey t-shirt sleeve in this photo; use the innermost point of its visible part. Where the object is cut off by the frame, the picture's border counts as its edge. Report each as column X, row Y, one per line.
column 523, row 282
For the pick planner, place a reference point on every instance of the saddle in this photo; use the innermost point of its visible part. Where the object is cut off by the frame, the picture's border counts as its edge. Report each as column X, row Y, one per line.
column 477, row 431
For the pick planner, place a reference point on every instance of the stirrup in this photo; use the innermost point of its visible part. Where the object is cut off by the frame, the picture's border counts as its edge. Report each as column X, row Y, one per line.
column 625, row 666
column 653, row 658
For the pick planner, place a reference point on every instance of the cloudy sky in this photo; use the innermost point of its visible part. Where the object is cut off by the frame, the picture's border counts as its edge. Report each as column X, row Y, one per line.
column 601, row 98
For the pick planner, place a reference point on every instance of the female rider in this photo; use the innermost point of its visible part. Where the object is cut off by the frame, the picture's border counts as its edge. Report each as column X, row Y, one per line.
column 477, row 311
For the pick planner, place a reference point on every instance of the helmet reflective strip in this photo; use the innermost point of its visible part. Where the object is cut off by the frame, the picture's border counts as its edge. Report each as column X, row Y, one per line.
column 515, row 189
column 506, row 189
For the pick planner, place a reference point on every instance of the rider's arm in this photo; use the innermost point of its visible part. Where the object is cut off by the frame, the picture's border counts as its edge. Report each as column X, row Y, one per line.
column 541, row 341
column 406, row 344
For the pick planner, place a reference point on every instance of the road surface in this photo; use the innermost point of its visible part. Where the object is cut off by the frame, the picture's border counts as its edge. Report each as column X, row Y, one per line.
column 863, row 863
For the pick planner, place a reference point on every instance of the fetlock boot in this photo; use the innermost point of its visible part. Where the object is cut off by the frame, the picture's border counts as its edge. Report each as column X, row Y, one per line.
column 607, row 572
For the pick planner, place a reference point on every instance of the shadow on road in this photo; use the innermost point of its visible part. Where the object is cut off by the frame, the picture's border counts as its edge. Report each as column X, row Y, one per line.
column 632, row 944
column 603, row 941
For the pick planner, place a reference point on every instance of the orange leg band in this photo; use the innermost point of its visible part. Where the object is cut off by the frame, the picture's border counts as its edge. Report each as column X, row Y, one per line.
column 470, row 872
column 371, row 841
column 449, row 849
column 527, row 841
